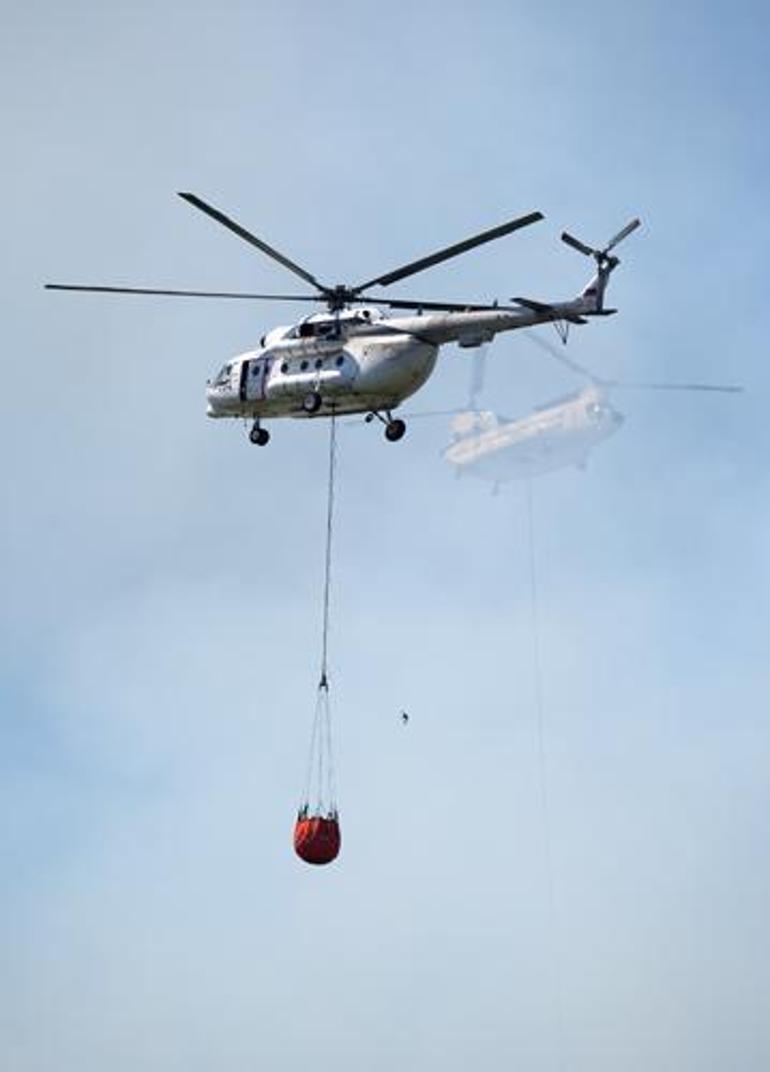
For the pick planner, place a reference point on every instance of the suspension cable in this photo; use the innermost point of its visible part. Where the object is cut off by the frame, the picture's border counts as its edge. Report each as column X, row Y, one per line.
column 542, row 752
column 538, row 692
column 324, row 682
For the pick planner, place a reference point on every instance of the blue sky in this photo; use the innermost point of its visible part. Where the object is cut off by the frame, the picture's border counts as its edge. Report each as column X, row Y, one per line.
column 162, row 577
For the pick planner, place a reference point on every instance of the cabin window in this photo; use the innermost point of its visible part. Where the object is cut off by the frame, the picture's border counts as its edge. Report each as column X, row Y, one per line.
column 319, row 363
column 285, row 366
column 303, row 365
column 339, row 361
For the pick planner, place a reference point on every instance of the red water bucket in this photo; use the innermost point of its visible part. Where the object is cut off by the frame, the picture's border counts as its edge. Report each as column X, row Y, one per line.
column 317, row 838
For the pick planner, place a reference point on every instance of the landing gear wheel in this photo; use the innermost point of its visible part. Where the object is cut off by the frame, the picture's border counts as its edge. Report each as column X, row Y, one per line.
column 312, row 402
column 259, row 436
column 394, row 430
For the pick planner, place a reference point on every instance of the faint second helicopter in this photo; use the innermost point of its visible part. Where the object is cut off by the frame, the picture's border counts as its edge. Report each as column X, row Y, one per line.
column 557, row 435
column 552, row 437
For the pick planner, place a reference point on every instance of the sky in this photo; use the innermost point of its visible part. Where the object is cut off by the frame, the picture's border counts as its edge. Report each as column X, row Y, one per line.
column 597, row 906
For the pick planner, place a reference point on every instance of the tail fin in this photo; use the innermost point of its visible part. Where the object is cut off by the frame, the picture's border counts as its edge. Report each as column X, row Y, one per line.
column 593, row 294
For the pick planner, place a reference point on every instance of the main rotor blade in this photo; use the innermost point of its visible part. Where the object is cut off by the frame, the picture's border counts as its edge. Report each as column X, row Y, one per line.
column 478, row 375
column 247, row 236
column 633, row 385
column 626, row 231
column 636, row 385
column 450, row 307
column 450, row 251
column 446, row 307
column 187, row 293
column 558, row 355
column 432, row 413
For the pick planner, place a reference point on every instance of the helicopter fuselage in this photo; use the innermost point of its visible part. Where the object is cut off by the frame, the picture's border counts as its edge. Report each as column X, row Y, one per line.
column 358, row 361
column 350, row 374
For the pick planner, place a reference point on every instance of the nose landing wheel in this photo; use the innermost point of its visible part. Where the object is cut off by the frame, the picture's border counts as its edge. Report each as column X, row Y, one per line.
column 259, row 436
column 312, row 402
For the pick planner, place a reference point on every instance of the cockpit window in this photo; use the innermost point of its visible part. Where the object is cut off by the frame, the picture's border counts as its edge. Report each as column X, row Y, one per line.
column 316, row 329
column 223, row 376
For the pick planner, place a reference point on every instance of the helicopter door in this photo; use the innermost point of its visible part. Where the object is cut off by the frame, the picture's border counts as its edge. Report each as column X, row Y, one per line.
column 254, row 379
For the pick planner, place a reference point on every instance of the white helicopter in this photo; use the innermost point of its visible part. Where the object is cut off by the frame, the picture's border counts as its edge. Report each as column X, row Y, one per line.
column 354, row 359
column 557, row 435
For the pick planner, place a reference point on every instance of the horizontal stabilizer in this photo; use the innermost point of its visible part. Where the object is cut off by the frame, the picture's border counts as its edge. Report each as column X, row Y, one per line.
column 551, row 310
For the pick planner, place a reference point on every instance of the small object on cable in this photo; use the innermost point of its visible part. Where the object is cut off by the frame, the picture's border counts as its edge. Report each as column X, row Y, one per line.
column 404, row 718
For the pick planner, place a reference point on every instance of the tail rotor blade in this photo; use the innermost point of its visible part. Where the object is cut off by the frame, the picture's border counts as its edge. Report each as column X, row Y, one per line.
column 581, row 247
column 627, row 230
column 600, row 254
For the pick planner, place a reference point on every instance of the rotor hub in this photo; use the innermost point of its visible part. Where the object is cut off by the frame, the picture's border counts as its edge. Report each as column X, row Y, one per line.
column 338, row 297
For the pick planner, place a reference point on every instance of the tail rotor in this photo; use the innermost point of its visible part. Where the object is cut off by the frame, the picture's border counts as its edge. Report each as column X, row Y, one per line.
column 601, row 256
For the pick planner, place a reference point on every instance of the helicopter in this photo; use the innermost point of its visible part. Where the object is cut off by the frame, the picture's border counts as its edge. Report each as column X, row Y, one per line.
column 352, row 358
column 553, row 436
